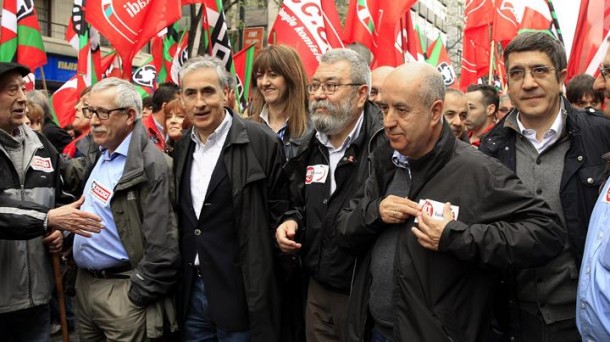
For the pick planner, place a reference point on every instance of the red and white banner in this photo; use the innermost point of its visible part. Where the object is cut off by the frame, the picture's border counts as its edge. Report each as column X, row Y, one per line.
column 306, row 27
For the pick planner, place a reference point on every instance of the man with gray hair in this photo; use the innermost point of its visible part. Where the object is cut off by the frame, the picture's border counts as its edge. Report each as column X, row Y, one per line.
column 330, row 166
column 231, row 191
column 126, row 271
column 429, row 253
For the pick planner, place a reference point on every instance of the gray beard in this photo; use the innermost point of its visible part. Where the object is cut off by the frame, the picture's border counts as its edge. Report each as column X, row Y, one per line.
column 336, row 117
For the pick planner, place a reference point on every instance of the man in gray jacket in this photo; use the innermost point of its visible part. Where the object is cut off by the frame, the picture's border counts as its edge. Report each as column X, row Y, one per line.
column 125, row 272
column 30, row 187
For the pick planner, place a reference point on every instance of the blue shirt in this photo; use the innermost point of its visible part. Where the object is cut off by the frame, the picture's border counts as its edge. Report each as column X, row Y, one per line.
column 593, row 301
column 105, row 249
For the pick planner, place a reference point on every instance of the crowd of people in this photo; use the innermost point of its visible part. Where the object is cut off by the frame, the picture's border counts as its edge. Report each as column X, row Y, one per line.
column 356, row 205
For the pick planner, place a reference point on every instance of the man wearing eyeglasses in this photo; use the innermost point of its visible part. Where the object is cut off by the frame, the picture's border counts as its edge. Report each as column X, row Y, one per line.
column 331, row 165
column 557, row 154
column 505, row 106
column 592, row 304
column 126, row 272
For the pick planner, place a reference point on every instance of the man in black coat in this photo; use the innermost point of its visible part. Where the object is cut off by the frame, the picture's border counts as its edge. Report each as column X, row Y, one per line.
column 231, row 191
column 435, row 222
column 329, row 167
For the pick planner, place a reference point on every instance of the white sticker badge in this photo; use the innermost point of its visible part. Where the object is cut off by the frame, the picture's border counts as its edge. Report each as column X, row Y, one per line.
column 316, row 174
column 435, row 209
column 607, row 197
column 101, row 193
column 41, row 164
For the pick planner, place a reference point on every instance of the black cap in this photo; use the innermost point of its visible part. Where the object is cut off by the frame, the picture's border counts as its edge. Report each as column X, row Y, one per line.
column 10, row 67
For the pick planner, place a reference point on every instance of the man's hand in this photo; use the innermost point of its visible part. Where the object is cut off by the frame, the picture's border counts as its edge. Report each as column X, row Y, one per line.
column 70, row 218
column 54, row 241
column 394, row 209
column 430, row 230
column 284, row 235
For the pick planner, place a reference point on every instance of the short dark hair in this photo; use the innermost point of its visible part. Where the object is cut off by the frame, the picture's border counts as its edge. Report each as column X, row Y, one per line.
column 147, row 102
column 542, row 42
column 164, row 93
column 490, row 94
column 582, row 85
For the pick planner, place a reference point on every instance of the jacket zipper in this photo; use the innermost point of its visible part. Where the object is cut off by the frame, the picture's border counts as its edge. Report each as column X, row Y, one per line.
column 27, row 246
column 27, row 255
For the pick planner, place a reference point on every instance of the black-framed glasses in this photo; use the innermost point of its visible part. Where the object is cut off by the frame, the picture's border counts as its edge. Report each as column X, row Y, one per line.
column 329, row 88
column 537, row 72
column 604, row 71
column 102, row 114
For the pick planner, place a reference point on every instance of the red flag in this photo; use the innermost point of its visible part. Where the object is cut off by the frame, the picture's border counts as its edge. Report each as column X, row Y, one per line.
column 20, row 37
column 396, row 35
column 332, row 23
column 362, row 17
column 302, row 25
column 475, row 55
column 505, row 26
column 478, row 13
column 129, row 25
column 592, row 28
column 536, row 16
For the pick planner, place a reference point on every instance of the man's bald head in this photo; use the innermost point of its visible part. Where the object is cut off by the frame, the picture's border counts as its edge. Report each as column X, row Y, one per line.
column 413, row 122
column 378, row 76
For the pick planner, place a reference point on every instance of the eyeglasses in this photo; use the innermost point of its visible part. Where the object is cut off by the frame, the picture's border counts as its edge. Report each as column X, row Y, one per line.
column 538, row 73
column 604, row 71
column 329, row 88
column 102, row 114
column 504, row 110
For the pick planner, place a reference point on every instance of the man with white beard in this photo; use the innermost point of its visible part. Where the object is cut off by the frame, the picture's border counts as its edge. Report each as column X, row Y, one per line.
column 330, row 166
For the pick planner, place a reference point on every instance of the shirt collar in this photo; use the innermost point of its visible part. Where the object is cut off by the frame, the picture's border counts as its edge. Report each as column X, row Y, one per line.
column 218, row 132
column 121, row 150
column 399, row 160
column 556, row 127
column 325, row 140
column 264, row 115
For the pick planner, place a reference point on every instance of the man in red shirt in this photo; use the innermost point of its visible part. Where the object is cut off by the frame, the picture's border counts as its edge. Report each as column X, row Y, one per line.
column 483, row 103
column 155, row 123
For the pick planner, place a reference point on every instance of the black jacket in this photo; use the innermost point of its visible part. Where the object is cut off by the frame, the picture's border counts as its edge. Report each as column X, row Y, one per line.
column 582, row 174
column 317, row 211
column 58, row 136
column 253, row 158
column 446, row 295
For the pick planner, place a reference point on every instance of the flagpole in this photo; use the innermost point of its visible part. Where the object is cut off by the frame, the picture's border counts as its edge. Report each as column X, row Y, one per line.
column 555, row 20
column 491, row 63
column 490, row 31
column 44, row 81
column 403, row 42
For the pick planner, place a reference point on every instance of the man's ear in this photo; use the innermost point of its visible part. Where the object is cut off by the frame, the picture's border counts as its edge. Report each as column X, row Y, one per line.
column 363, row 95
column 491, row 110
column 436, row 111
column 131, row 116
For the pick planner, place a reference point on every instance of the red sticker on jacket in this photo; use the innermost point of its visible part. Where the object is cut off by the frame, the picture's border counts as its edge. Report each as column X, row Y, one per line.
column 100, row 192
column 41, row 164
